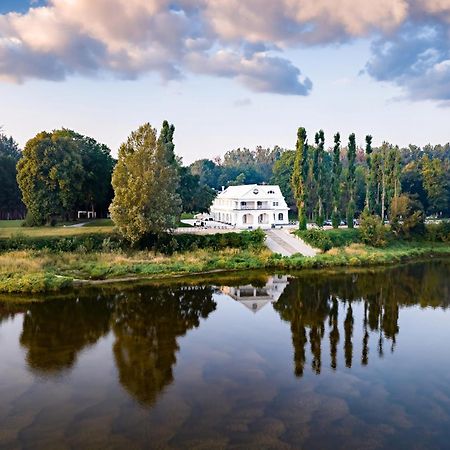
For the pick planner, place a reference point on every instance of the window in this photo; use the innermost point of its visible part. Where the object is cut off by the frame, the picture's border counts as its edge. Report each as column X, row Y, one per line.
column 280, row 216
column 271, row 192
column 275, row 203
column 255, row 191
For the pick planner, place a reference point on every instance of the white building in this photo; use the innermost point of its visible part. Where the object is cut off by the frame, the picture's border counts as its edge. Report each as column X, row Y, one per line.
column 250, row 206
column 255, row 298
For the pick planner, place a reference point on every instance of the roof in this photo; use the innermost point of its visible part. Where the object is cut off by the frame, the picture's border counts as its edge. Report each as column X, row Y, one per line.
column 237, row 192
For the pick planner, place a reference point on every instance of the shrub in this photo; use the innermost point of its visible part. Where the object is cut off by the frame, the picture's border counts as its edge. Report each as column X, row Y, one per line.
column 438, row 232
column 327, row 239
column 372, row 231
column 406, row 217
column 317, row 238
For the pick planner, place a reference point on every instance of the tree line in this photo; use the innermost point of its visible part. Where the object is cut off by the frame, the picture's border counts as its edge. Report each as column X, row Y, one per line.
column 62, row 172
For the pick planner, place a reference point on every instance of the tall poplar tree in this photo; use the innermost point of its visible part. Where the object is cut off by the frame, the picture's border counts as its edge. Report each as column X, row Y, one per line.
column 351, row 179
column 336, row 180
column 300, row 175
column 145, row 182
column 319, row 174
column 368, row 172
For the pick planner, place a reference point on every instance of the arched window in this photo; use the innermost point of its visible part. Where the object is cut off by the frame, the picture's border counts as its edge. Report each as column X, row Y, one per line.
column 280, row 216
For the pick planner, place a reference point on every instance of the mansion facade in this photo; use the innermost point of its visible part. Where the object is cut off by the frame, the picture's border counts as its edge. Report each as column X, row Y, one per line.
column 250, row 206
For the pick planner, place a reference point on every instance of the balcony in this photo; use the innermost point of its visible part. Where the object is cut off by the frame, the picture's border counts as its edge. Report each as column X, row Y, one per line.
column 253, row 206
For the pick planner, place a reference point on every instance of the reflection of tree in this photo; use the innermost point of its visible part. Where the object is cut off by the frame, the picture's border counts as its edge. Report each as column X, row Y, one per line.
column 310, row 300
column 147, row 324
column 54, row 332
column 305, row 306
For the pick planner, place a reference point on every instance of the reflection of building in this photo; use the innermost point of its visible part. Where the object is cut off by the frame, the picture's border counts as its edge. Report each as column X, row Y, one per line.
column 255, row 298
column 250, row 206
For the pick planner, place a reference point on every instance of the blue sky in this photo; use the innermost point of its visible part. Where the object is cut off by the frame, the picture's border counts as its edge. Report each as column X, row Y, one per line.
column 225, row 85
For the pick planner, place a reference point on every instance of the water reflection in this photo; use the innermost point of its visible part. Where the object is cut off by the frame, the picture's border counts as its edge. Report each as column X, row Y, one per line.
column 146, row 326
column 255, row 297
column 235, row 384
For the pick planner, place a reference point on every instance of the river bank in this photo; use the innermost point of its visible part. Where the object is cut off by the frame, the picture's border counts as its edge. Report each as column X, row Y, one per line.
column 33, row 271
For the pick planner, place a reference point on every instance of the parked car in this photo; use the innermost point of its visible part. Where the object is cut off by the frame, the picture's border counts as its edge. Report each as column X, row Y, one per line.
column 328, row 223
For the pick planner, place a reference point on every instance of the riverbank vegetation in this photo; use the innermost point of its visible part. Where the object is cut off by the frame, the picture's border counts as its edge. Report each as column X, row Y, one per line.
column 32, row 271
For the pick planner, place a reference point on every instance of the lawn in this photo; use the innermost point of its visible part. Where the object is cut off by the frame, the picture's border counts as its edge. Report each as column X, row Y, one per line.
column 9, row 228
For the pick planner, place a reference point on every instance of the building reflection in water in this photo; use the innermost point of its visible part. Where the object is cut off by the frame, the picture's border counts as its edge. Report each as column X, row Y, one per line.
column 256, row 297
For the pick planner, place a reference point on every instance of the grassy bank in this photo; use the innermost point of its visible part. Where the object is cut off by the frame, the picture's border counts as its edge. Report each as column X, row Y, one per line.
column 42, row 270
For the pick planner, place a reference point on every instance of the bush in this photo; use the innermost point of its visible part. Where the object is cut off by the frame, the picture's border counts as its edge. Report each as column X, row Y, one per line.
column 372, row 231
column 327, row 239
column 438, row 232
column 317, row 238
column 165, row 243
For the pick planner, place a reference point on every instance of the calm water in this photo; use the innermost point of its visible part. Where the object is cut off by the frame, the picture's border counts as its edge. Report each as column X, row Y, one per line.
column 332, row 360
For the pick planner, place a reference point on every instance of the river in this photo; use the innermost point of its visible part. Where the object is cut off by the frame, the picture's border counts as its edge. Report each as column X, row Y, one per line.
column 314, row 360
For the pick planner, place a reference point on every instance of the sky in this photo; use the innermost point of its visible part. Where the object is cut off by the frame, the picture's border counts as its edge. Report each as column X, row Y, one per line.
column 227, row 73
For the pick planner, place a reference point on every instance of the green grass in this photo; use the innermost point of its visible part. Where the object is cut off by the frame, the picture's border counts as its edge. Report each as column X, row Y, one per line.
column 99, row 223
column 11, row 223
column 40, row 271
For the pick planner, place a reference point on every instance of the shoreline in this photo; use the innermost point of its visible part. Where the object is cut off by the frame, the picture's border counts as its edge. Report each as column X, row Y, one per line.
column 56, row 274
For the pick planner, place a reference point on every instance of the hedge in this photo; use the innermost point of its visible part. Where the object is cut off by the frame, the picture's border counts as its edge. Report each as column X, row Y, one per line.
column 166, row 243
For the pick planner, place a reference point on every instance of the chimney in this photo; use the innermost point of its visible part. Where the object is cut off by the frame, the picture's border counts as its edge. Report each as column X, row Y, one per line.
column 223, row 188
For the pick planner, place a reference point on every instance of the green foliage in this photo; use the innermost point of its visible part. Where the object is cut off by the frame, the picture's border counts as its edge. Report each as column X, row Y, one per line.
column 33, row 283
column 406, row 217
column 195, row 197
column 336, row 180
column 372, row 230
column 11, row 205
column 351, row 179
column 50, row 175
column 300, row 175
column 438, row 232
column 436, row 184
column 145, row 182
column 282, row 176
column 327, row 239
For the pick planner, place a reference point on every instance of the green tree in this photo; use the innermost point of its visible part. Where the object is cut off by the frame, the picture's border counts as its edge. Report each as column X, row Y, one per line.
column 336, row 180
column 300, row 175
column 50, row 176
column 351, row 179
column 11, row 205
column 319, row 173
column 435, row 183
column 368, row 175
column 195, row 197
column 145, row 182
column 96, row 190
column 282, row 176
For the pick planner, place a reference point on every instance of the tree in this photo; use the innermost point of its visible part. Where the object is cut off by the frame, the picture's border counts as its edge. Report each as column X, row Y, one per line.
column 11, row 205
column 406, row 216
column 50, row 176
column 319, row 175
column 96, row 190
column 351, row 156
column 368, row 175
column 336, row 180
column 282, row 176
column 195, row 197
column 145, row 182
column 300, row 175
column 436, row 184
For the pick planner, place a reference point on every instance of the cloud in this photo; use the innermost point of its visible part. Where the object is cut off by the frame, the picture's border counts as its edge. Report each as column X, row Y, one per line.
column 417, row 59
column 243, row 40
